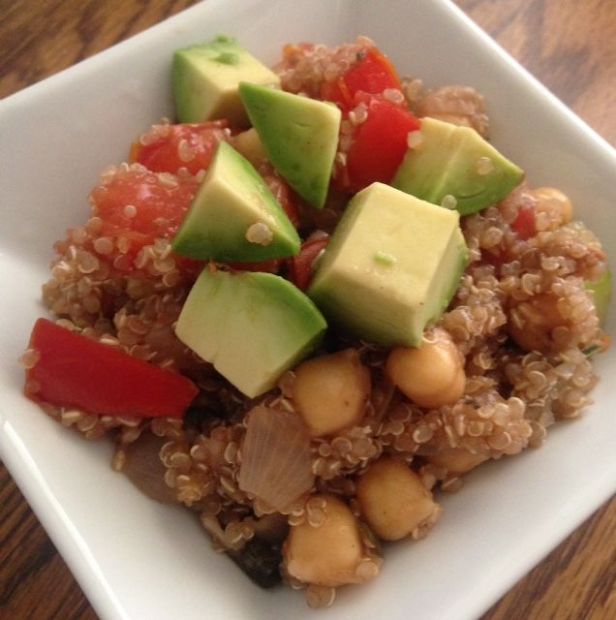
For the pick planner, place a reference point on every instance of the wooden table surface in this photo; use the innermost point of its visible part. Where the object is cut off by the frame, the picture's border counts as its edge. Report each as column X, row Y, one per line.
column 570, row 45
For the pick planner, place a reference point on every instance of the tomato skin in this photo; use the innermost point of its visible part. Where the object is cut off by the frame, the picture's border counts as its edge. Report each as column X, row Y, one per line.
column 379, row 143
column 75, row 371
column 300, row 266
column 373, row 74
column 525, row 224
column 163, row 154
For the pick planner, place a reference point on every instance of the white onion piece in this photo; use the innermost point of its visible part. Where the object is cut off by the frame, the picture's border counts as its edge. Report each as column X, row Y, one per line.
column 276, row 463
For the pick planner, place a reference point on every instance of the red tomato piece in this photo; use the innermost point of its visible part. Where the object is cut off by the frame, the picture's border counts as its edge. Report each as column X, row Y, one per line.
column 300, row 266
column 373, row 74
column 379, row 143
column 524, row 224
column 338, row 93
column 141, row 206
column 284, row 195
column 182, row 146
column 75, row 371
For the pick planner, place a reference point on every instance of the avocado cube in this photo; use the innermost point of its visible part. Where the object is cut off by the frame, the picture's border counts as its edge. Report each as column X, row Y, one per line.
column 251, row 326
column 206, row 81
column 455, row 165
column 300, row 137
column 391, row 267
column 234, row 216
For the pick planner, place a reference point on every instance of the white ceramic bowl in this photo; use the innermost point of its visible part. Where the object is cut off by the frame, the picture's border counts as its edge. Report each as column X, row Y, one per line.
column 137, row 559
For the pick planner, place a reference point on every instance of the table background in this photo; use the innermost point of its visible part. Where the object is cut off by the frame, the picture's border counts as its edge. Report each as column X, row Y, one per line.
column 570, row 45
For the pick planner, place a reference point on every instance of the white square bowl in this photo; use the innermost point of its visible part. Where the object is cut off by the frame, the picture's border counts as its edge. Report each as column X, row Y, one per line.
column 136, row 559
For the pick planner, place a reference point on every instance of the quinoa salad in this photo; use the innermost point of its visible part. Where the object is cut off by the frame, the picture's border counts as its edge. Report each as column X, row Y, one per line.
column 207, row 316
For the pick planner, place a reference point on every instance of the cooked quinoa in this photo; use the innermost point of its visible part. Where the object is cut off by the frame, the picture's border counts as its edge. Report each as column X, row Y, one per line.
column 522, row 322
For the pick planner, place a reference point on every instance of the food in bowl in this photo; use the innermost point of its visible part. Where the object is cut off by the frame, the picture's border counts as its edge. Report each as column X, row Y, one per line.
column 314, row 304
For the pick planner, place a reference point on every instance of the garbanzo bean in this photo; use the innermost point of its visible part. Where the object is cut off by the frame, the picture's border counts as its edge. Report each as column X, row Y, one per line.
column 553, row 205
column 456, row 460
column 330, row 391
column 327, row 555
column 431, row 375
column 531, row 322
column 393, row 499
column 248, row 144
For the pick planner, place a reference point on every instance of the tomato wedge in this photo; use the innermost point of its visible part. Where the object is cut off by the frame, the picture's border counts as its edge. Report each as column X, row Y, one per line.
column 137, row 207
column 75, row 371
column 300, row 266
column 179, row 146
column 379, row 143
column 524, row 224
column 373, row 74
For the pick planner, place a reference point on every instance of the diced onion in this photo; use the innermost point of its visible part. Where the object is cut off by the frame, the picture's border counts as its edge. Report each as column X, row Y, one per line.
column 276, row 462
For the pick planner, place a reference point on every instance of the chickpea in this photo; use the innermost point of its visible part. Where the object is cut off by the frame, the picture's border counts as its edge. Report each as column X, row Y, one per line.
column 248, row 144
column 327, row 555
column 432, row 375
column 553, row 206
column 330, row 391
column 456, row 460
column 532, row 322
column 393, row 500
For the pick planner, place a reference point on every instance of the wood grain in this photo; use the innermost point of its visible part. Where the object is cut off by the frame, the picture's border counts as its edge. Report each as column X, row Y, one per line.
column 570, row 45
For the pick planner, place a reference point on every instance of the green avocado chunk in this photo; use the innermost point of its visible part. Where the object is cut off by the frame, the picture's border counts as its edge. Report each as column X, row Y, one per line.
column 206, row 78
column 234, row 216
column 251, row 326
column 391, row 267
column 601, row 291
column 300, row 137
column 455, row 167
